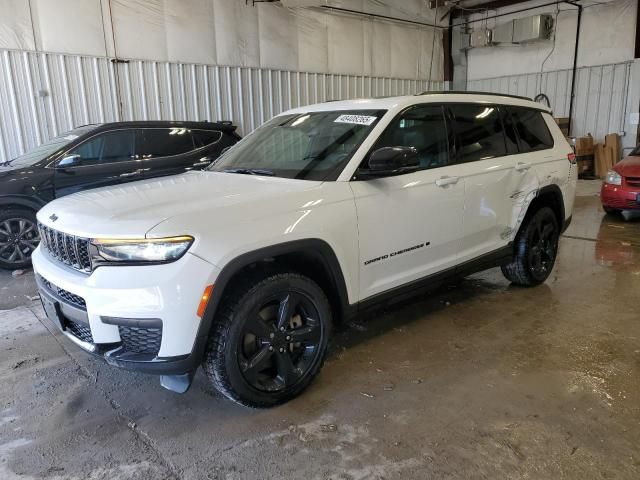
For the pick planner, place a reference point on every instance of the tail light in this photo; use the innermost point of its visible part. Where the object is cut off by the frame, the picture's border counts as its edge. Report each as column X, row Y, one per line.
column 572, row 158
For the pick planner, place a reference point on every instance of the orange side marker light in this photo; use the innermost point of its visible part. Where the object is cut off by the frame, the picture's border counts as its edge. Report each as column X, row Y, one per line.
column 204, row 300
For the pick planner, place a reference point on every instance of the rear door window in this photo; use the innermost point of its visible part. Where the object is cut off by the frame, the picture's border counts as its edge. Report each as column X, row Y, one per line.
column 163, row 142
column 108, row 147
column 533, row 132
column 203, row 138
column 479, row 132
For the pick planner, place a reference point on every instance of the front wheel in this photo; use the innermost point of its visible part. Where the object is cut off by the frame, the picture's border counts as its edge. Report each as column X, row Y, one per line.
column 269, row 339
column 536, row 247
column 19, row 237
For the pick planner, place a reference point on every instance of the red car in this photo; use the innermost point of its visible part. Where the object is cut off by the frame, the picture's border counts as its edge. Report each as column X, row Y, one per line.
column 621, row 187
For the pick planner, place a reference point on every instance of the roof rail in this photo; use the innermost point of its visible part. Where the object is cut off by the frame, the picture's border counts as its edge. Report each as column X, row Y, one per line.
column 470, row 92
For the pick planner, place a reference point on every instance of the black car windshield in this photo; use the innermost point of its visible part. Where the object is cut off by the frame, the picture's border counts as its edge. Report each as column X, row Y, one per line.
column 49, row 147
column 309, row 146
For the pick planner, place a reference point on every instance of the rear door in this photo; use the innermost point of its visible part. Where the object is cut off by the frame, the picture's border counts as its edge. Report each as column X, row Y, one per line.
column 410, row 225
column 494, row 176
column 170, row 151
column 107, row 158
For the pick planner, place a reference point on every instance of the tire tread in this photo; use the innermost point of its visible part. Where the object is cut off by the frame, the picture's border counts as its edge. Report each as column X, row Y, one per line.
column 213, row 362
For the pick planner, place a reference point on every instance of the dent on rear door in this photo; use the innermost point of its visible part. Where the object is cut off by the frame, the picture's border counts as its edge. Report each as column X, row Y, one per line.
column 524, row 189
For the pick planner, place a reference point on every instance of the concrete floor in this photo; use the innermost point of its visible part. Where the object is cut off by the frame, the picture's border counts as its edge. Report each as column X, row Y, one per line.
column 480, row 380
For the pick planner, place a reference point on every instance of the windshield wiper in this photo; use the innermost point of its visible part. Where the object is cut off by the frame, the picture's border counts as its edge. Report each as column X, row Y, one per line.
column 250, row 171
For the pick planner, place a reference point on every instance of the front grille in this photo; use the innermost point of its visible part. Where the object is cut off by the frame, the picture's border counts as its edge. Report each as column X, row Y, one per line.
column 68, row 249
column 621, row 203
column 633, row 181
column 68, row 297
column 141, row 340
column 82, row 332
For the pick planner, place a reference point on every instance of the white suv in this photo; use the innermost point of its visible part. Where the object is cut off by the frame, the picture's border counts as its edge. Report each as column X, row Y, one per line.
column 320, row 213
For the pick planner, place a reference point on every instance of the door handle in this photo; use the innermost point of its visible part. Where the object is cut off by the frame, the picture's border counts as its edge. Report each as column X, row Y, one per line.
column 522, row 166
column 444, row 181
column 130, row 174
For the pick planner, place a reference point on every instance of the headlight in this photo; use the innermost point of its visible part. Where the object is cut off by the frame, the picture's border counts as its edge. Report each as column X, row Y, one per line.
column 613, row 178
column 151, row 250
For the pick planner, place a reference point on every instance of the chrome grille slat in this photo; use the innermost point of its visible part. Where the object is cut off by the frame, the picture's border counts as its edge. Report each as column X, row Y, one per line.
column 68, row 249
column 76, row 252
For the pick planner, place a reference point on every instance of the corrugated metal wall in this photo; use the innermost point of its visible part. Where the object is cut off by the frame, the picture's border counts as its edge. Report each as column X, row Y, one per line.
column 45, row 94
column 601, row 95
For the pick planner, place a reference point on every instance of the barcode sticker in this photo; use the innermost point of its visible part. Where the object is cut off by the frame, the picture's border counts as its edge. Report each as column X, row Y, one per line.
column 356, row 119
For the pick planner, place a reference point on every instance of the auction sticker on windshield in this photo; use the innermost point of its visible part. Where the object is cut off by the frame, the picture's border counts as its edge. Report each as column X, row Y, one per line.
column 357, row 119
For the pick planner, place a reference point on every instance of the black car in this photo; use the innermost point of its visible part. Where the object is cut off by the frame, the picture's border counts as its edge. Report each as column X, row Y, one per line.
column 96, row 156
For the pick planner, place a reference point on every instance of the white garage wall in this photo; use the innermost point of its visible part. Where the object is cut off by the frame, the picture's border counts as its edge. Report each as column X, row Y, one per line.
column 198, row 59
column 605, row 78
column 607, row 36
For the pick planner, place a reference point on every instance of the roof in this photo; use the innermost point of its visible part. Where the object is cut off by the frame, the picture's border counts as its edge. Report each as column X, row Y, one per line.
column 392, row 103
column 222, row 125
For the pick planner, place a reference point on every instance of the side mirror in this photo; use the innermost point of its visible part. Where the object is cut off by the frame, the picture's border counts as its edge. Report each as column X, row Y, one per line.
column 70, row 161
column 388, row 161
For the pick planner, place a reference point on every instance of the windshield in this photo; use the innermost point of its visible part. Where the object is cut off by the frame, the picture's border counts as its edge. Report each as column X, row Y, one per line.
column 309, row 146
column 49, row 147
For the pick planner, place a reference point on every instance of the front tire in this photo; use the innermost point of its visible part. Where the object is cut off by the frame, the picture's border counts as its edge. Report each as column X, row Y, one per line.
column 269, row 339
column 536, row 247
column 19, row 237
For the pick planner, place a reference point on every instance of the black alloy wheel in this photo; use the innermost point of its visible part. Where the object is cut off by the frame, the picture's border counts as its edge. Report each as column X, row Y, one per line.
column 269, row 338
column 19, row 237
column 535, row 249
column 280, row 342
column 544, row 245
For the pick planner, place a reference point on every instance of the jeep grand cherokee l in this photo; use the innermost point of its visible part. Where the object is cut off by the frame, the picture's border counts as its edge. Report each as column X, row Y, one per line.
column 320, row 213
column 94, row 156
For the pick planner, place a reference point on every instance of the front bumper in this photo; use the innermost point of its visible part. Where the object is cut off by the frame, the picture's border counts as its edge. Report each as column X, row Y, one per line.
column 620, row 197
column 136, row 317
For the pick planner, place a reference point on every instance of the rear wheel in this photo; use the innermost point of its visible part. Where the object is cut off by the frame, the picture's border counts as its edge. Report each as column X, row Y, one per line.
column 536, row 247
column 19, row 237
column 269, row 339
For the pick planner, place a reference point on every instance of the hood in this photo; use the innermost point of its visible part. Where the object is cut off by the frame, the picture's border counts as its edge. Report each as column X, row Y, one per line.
column 133, row 209
column 628, row 167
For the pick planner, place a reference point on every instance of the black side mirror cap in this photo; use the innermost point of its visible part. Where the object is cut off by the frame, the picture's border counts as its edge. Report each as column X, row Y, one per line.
column 387, row 161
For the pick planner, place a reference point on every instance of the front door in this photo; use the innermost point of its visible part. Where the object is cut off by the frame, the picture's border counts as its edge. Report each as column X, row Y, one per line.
column 106, row 159
column 410, row 225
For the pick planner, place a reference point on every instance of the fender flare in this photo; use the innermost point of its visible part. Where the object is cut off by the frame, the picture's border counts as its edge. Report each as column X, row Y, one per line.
column 316, row 248
column 557, row 193
column 21, row 201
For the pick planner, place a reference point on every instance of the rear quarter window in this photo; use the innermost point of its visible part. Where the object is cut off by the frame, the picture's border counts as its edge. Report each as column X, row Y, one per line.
column 203, row 138
column 533, row 133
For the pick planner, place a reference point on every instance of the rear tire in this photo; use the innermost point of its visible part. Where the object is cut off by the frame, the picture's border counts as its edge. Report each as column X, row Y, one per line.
column 269, row 339
column 19, row 237
column 536, row 248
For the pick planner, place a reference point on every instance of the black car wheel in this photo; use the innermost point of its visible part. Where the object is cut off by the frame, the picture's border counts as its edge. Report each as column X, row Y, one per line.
column 269, row 340
column 19, row 237
column 536, row 247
